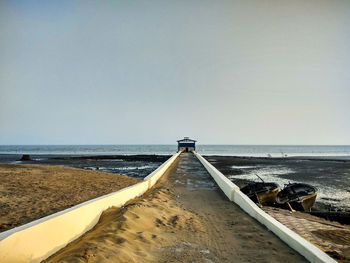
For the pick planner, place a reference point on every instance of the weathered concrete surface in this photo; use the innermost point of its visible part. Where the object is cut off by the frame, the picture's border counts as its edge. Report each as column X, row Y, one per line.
column 231, row 235
column 331, row 237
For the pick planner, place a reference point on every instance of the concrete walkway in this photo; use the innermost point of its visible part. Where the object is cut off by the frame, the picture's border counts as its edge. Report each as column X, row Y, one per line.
column 230, row 234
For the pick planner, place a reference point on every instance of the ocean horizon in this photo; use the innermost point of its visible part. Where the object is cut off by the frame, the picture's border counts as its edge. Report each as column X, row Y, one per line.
column 169, row 149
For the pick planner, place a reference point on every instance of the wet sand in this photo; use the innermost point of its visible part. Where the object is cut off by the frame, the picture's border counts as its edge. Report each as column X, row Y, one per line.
column 29, row 192
column 185, row 218
column 330, row 175
column 137, row 166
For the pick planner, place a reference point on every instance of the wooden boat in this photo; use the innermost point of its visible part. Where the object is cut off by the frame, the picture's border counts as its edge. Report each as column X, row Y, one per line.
column 297, row 196
column 261, row 192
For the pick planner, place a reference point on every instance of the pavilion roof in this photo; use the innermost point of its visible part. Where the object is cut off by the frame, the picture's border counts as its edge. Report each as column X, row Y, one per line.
column 186, row 139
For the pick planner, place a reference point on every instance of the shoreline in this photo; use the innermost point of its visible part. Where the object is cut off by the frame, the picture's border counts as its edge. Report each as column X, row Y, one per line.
column 139, row 166
column 325, row 157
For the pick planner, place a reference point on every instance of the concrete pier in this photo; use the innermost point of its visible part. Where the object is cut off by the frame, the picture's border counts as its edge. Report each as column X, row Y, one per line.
column 231, row 234
column 184, row 218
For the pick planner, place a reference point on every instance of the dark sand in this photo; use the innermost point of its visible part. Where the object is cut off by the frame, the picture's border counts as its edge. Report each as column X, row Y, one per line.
column 29, row 192
column 185, row 218
column 330, row 175
column 137, row 166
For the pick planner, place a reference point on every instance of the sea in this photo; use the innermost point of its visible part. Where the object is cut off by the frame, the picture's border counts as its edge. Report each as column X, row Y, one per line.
column 332, row 178
column 339, row 151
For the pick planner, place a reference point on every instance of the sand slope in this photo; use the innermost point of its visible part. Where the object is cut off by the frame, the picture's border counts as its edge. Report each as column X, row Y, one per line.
column 134, row 233
column 29, row 192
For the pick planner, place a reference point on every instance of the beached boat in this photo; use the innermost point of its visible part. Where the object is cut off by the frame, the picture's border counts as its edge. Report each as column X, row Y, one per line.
column 297, row 196
column 261, row 192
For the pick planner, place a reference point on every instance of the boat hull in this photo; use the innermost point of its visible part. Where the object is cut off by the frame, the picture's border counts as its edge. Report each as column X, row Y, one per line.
column 268, row 198
column 299, row 197
column 262, row 193
column 308, row 202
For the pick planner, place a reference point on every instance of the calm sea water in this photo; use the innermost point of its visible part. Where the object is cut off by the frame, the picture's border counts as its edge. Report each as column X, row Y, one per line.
column 232, row 150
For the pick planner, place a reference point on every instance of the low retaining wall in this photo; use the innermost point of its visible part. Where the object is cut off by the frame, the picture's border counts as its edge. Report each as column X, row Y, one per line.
column 305, row 248
column 153, row 177
column 41, row 238
column 223, row 182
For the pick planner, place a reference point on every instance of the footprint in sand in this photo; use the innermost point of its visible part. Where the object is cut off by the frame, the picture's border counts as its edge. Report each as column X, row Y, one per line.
column 173, row 220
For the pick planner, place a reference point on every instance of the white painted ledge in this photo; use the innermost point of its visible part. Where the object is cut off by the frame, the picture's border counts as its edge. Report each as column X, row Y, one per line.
column 223, row 182
column 41, row 238
column 153, row 177
column 302, row 246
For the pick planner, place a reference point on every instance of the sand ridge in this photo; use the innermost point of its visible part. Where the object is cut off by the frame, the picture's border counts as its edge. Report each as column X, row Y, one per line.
column 137, row 232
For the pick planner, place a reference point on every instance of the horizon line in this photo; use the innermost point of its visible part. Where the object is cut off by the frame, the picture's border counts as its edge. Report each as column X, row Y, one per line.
column 145, row 144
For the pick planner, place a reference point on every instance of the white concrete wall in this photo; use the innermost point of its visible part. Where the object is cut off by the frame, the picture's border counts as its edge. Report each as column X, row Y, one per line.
column 153, row 177
column 305, row 248
column 223, row 182
column 41, row 238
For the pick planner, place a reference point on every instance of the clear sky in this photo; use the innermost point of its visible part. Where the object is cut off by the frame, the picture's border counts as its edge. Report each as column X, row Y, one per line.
column 144, row 72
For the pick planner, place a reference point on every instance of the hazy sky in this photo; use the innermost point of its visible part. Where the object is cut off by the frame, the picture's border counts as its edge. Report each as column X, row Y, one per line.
column 114, row 72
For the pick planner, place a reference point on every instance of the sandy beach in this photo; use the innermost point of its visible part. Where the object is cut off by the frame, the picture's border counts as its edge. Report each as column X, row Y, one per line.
column 29, row 192
column 185, row 218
